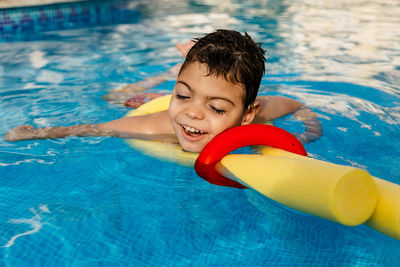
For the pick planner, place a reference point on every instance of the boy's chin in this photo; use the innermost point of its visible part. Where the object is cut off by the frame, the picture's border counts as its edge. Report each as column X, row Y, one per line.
column 193, row 149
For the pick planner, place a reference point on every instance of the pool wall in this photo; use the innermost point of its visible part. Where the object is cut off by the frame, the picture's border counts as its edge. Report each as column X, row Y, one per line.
column 22, row 22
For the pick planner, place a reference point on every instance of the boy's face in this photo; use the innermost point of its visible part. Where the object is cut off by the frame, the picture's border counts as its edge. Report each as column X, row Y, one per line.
column 203, row 106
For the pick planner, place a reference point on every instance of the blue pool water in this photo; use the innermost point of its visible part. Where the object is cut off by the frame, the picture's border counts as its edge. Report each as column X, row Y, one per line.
column 96, row 201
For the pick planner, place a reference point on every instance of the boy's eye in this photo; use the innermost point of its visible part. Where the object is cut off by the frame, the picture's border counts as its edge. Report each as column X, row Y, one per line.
column 217, row 110
column 182, row 97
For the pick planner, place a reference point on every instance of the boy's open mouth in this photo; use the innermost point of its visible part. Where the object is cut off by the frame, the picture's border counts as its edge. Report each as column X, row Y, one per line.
column 190, row 131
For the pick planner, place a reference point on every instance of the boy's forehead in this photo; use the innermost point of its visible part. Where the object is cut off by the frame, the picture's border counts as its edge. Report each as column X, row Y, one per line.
column 214, row 86
column 197, row 68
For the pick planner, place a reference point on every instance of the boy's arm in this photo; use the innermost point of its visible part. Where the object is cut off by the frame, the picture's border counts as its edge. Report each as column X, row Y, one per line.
column 149, row 127
column 28, row 132
column 272, row 107
column 118, row 96
column 156, row 127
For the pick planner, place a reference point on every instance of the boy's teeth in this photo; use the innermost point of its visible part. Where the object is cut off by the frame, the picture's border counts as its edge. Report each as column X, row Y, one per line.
column 190, row 129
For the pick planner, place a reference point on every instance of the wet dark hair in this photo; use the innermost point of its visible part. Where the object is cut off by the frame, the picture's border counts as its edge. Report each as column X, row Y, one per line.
column 232, row 55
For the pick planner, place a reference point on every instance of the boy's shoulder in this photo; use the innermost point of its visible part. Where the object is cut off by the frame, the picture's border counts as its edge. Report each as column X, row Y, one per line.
column 272, row 107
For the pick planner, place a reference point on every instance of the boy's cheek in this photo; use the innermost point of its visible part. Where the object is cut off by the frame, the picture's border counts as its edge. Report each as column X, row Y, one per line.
column 173, row 109
column 171, row 112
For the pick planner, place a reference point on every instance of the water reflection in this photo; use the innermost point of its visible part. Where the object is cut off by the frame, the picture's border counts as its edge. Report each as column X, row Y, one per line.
column 354, row 41
column 348, row 41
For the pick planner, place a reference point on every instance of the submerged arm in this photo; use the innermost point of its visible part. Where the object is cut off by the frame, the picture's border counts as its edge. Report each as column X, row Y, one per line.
column 28, row 132
column 120, row 94
column 151, row 82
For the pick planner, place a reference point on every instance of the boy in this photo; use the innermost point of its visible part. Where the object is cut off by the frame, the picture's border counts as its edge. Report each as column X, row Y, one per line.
column 215, row 90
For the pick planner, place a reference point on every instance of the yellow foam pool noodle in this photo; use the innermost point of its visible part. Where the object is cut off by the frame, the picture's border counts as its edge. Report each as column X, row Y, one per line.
column 342, row 194
column 386, row 216
column 156, row 105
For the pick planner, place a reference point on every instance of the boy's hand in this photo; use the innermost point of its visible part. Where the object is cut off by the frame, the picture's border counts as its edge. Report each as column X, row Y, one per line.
column 306, row 137
column 184, row 48
column 19, row 133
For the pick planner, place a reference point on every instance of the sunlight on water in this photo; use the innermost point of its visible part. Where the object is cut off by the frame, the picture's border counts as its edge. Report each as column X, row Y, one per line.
column 35, row 223
column 355, row 41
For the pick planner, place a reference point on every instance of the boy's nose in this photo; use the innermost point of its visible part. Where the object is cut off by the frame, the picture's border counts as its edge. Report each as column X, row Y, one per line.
column 194, row 112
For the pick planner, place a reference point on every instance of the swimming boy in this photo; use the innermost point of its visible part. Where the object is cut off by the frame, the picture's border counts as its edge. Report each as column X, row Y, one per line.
column 215, row 90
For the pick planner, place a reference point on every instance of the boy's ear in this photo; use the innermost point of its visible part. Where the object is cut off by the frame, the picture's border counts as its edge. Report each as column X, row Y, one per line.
column 250, row 113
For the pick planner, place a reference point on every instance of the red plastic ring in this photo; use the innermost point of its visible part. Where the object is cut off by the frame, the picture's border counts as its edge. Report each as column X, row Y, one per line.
column 237, row 137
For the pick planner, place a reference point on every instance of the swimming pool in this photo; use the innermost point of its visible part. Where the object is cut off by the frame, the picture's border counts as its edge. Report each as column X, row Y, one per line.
column 96, row 201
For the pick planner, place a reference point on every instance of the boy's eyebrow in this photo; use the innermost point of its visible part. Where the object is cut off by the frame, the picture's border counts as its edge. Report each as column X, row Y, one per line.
column 210, row 97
